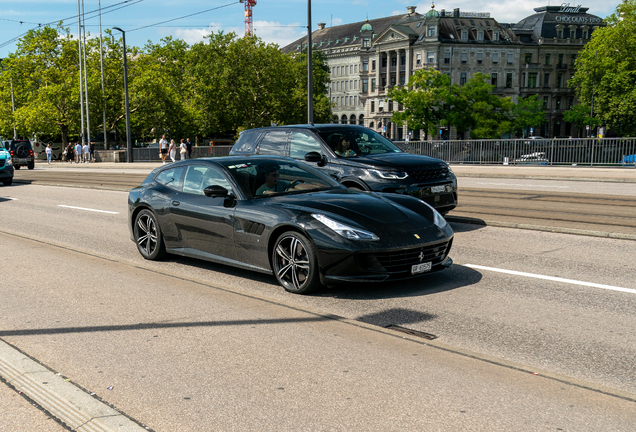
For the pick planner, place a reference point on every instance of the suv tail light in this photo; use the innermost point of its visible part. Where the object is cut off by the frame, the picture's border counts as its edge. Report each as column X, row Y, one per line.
column 11, row 153
column 31, row 153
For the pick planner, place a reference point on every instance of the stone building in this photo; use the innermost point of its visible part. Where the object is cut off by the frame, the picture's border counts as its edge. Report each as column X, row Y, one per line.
column 534, row 56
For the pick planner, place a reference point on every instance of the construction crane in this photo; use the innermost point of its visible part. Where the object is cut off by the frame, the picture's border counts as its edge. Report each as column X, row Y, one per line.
column 249, row 26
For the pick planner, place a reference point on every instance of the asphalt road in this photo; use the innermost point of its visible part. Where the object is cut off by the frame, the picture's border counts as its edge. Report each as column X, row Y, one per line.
column 188, row 344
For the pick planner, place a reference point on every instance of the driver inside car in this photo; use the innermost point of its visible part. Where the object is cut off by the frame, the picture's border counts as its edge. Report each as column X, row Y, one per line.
column 274, row 185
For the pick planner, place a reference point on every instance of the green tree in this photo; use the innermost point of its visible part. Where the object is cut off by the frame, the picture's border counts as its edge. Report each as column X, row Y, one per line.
column 423, row 100
column 606, row 71
column 43, row 75
column 473, row 107
column 580, row 115
column 527, row 112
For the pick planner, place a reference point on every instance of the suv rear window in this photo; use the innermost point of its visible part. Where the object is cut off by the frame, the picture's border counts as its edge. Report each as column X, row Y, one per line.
column 274, row 143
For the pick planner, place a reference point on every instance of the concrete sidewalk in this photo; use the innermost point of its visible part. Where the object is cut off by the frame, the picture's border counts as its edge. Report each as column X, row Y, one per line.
column 625, row 174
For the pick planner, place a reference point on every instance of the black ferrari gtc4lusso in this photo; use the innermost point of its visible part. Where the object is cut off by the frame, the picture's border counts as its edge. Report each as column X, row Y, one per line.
column 280, row 216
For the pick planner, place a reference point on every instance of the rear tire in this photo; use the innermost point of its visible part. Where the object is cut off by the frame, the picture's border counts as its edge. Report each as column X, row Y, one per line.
column 7, row 182
column 16, row 167
column 295, row 264
column 148, row 236
column 31, row 165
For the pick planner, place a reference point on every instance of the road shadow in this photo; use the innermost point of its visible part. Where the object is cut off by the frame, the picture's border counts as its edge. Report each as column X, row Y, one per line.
column 465, row 224
column 396, row 316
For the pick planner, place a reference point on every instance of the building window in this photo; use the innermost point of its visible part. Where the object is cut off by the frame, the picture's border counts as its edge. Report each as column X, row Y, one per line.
column 573, row 32
column 384, row 62
column 510, row 58
column 480, row 35
column 393, row 62
column 365, row 65
column 402, row 80
column 372, row 64
column 546, row 79
column 383, row 81
column 464, row 57
column 495, row 57
column 495, row 35
column 480, row 57
column 403, row 60
column 528, row 58
column 493, row 79
column 558, row 103
column 447, row 57
column 431, row 31
column 462, row 78
column 545, row 102
column 372, row 106
column 560, row 64
column 547, row 59
column 585, row 33
column 509, row 80
column 559, row 32
column 418, row 59
column 570, row 103
column 366, row 43
column 430, row 57
column 365, row 86
column 392, row 81
column 464, row 35
column 532, row 80
column 559, row 82
column 573, row 59
column 372, row 84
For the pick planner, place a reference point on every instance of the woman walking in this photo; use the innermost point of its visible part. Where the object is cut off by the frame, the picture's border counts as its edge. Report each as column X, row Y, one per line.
column 183, row 149
column 49, row 153
column 173, row 151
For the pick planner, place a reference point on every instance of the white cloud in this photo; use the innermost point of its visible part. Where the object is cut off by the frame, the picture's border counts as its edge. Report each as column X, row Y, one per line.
column 281, row 34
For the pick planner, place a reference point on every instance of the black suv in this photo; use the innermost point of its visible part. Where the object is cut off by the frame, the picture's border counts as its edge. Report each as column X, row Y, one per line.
column 358, row 158
column 22, row 153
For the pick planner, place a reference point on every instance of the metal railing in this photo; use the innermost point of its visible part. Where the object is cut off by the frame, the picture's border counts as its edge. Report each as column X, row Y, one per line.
column 151, row 154
column 558, row 151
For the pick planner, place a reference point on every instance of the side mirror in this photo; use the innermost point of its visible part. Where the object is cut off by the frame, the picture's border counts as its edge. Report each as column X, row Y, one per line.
column 316, row 157
column 215, row 191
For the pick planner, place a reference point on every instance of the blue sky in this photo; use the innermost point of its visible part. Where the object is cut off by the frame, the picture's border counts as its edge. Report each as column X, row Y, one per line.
column 277, row 21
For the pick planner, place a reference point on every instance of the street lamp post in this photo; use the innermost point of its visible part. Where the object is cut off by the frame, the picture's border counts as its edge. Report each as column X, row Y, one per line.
column 129, row 152
column 310, row 79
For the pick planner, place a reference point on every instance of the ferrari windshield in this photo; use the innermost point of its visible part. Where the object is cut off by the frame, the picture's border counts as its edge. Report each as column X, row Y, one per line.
column 347, row 142
column 262, row 177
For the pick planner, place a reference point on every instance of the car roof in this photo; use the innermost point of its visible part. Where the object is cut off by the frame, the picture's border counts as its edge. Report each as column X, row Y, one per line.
column 315, row 127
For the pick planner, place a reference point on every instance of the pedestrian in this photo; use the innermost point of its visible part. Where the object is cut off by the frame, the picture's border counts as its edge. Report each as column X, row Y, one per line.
column 173, row 151
column 49, row 153
column 183, row 149
column 163, row 148
column 189, row 147
column 68, row 153
column 78, row 152
column 86, row 153
column 92, row 152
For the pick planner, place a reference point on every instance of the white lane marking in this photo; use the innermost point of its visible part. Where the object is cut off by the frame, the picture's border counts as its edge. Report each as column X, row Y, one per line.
column 518, row 184
column 87, row 209
column 552, row 278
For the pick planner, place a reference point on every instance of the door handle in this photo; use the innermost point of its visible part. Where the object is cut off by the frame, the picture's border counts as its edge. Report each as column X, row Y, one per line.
column 175, row 203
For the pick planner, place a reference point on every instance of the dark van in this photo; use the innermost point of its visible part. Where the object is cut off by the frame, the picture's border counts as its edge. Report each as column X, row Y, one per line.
column 358, row 158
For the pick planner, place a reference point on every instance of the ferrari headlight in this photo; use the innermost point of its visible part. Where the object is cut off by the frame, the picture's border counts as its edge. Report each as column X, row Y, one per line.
column 346, row 231
column 393, row 175
column 438, row 219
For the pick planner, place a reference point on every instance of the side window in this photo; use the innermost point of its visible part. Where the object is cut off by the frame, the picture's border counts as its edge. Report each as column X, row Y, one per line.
column 171, row 177
column 274, row 143
column 301, row 144
column 246, row 143
column 199, row 177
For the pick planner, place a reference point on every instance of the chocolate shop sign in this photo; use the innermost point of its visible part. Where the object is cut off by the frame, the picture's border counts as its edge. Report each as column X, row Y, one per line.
column 575, row 19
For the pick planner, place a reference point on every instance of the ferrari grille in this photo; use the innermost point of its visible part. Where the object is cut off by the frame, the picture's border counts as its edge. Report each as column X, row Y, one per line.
column 398, row 261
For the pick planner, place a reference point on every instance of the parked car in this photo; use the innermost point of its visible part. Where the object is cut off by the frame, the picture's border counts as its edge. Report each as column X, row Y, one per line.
column 280, row 216
column 22, row 154
column 370, row 163
column 535, row 140
column 6, row 167
column 533, row 158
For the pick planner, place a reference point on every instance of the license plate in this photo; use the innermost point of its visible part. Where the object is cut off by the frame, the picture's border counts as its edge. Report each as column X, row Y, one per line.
column 438, row 189
column 22, row 160
column 421, row 268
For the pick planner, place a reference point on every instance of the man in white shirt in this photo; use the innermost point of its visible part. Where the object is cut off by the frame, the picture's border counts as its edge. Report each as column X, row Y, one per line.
column 86, row 153
column 163, row 148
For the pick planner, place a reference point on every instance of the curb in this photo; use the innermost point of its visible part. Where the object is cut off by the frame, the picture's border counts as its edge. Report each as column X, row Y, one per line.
column 57, row 396
column 536, row 177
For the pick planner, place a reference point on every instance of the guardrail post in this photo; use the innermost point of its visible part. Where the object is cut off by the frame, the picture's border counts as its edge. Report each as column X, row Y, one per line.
column 551, row 151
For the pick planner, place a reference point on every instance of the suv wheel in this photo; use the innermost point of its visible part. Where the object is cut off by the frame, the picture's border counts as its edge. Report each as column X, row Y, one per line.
column 31, row 165
column 16, row 167
column 7, row 182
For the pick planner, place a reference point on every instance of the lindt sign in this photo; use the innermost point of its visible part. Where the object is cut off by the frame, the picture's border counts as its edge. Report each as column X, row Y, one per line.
column 566, row 8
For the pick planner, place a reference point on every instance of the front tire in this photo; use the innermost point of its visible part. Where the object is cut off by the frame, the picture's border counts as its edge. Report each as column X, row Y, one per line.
column 7, row 182
column 148, row 236
column 295, row 264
